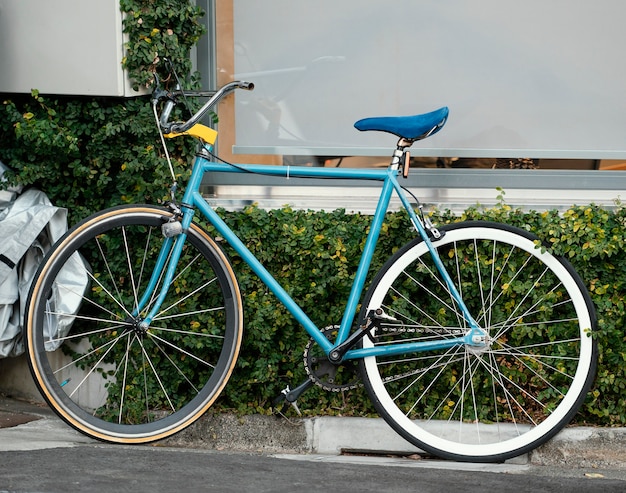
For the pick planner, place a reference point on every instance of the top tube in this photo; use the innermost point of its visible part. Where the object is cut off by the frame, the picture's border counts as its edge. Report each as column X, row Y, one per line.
column 300, row 171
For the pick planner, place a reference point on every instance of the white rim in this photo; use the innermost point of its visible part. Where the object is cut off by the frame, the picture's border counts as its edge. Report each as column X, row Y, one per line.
column 523, row 438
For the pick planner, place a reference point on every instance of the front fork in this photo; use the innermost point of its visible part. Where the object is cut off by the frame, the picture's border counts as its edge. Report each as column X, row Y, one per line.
column 164, row 270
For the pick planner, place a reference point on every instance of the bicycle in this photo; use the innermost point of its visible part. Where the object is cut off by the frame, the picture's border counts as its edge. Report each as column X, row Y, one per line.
column 473, row 341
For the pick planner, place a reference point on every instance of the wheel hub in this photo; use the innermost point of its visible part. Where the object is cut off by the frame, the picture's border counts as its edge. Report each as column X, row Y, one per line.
column 138, row 325
column 481, row 343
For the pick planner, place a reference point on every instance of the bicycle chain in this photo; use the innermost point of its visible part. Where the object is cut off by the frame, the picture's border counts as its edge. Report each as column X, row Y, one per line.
column 413, row 330
column 328, row 376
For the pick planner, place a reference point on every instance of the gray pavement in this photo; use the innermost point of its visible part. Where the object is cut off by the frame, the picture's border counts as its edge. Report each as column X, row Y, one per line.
column 38, row 452
column 103, row 468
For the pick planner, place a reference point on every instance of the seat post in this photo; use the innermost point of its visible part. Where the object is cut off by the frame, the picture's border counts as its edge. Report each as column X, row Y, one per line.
column 400, row 156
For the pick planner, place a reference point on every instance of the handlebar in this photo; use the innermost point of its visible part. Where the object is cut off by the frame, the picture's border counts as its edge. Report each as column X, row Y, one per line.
column 172, row 99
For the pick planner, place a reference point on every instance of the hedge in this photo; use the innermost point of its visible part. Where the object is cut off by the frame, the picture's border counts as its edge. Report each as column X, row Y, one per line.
column 314, row 256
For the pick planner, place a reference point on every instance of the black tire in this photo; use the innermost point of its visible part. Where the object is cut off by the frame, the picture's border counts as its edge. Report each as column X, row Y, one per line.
column 101, row 371
column 496, row 402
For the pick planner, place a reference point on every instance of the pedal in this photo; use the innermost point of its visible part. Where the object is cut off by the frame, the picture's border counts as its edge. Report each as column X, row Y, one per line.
column 290, row 397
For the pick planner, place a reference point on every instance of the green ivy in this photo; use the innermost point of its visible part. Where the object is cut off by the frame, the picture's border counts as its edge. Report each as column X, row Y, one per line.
column 88, row 153
column 314, row 255
column 158, row 29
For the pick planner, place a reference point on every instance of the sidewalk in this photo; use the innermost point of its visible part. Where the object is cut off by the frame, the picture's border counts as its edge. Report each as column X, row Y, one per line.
column 575, row 447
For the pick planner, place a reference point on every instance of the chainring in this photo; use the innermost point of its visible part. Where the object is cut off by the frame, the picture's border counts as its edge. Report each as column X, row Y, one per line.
column 323, row 373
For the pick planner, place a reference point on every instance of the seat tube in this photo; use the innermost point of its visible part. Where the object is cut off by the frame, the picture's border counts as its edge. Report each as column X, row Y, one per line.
column 366, row 257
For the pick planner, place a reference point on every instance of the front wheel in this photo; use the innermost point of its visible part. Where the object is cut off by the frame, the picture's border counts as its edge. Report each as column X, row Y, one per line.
column 103, row 370
column 485, row 403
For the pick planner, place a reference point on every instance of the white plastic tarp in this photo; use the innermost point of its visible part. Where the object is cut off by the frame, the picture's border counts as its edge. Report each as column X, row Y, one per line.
column 29, row 225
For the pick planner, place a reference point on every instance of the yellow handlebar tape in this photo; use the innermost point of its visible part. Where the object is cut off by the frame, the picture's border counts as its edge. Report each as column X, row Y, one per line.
column 202, row 132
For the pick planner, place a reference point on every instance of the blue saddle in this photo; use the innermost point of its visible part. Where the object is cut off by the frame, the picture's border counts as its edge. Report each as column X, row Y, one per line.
column 414, row 127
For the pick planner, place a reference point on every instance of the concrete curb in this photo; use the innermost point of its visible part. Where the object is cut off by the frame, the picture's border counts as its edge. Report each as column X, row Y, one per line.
column 574, row 447
column 272, row 434
column 579, row 447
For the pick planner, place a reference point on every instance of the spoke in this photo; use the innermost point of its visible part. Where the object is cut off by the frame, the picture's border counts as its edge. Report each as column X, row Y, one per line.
column 459, row 282
column 146, row 249
column 80, row 335
column 190, row 264
column 519, row 271
column 125, row 376
column 173, row 363
column 181, row 300
column 507, row 396
column 179, row 273
column 187, row 332
column 519, row 349
column 86, row 355
column 131, row 273
column 503, row 327
column 144, row 356
column 111, row 344
column 81, row 295
column 113, row 298
column 468, row 383
column 453, row 309
column 435, row 276
column 521, row 356
column 184, row 351
column 108, row 269
column 512, row 322
column 186, row 314
column 156, row 291
column 487, row 308
column 539, row 302
column 493, row 371
column 156, row 375
column 479, row 274
column 451, row 391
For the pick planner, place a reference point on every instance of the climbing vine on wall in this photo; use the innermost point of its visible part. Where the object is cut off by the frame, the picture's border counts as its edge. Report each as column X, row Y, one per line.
column 87, row 153
column 158, row 29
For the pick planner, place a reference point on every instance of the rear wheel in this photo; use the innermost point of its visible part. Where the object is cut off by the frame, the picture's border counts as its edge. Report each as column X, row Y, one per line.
column 501, row 400
column 98, row 366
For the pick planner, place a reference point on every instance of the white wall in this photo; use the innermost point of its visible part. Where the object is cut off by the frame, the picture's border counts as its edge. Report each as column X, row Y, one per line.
column 532, row 78
column 62, row 47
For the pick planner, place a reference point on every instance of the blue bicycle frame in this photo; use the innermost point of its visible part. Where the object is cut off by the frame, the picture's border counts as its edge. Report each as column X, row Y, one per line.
column 193, row 200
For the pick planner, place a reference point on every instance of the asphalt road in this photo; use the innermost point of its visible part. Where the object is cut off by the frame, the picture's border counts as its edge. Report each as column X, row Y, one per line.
column 40, row 454
column 92, row 467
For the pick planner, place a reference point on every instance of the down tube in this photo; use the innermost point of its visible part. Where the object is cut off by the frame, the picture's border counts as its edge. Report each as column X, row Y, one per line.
column 262, row 272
